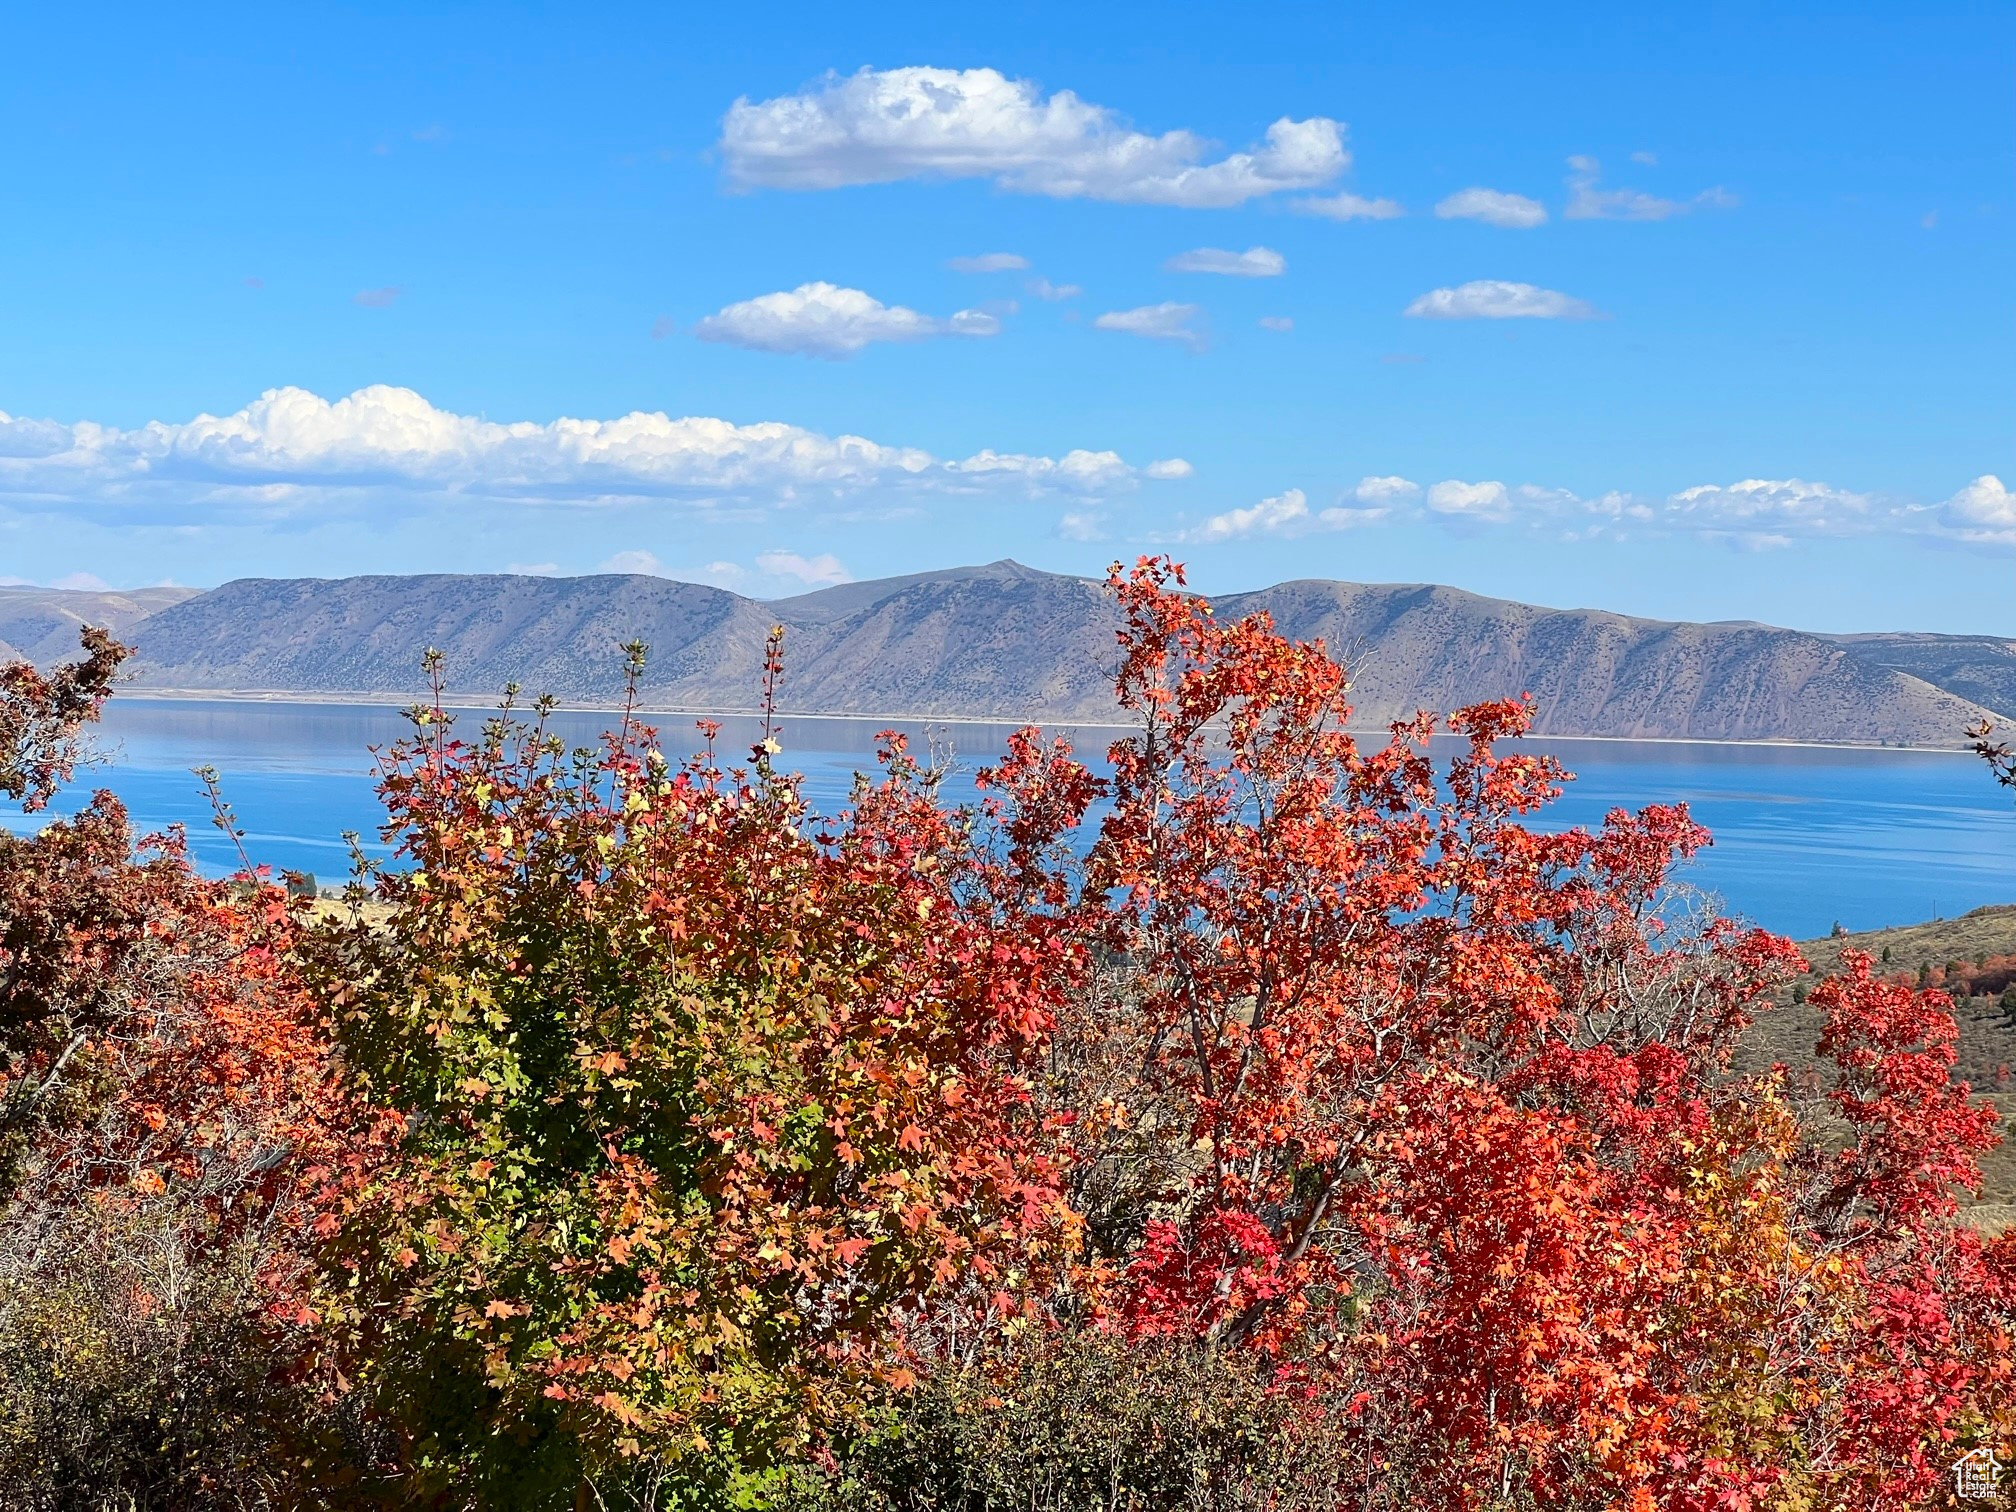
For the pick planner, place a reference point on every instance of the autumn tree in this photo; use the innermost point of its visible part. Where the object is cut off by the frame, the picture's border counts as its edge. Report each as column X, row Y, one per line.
column 716, row 1112
column 170, row 1128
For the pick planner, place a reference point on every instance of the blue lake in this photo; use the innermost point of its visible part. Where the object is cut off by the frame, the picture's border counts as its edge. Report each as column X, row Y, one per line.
column 1803, row 836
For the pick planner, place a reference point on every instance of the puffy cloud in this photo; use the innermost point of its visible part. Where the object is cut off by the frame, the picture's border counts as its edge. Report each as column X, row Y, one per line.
column 1771, row 506
column 291, row 449
column 1042, row 288
column 1487, row 502
column 644, row 563
column 820, row 571
column 1589, row 200
column 1269, row 517
column 989, row 262
column 1167, row 468
column 825, row 320
column 1495, row 299
column 882, row 125
column 1494, row 207
column 1254, row 262
column 1168, row 321
column 82, row 582
column 1348, row 207
column 1983, row 511
column 1387, row 491
column 1082, row 525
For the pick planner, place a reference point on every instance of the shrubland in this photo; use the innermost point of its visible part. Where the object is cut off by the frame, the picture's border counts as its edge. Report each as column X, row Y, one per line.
column 1262, row 1119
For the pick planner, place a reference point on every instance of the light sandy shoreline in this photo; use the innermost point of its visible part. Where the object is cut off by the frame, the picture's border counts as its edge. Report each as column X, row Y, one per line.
column 464, row 704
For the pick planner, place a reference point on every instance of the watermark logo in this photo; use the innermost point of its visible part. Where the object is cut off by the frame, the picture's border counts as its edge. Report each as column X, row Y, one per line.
column 1977, row 1476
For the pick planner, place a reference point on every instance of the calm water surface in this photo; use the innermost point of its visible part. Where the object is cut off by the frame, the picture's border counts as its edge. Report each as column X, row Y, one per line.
column 1803, row 837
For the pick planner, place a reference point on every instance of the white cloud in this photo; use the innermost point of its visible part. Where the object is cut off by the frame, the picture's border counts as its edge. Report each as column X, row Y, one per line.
column 825, row 320
column 1168, row 321
column 1168, row 467
column 1042, row 288
column 1495, row 299
column 1494, row 207
column 387, row 447
column 82, row 582
column 989, row 262
column 820, row 571
column 642, row 562
column 1349, row 207
column 1983, row 511
column 1588, row 200
column 533, row 569
column 1276, row 323
column 1488, row 502
column 1080, row 525
column 878, row 126
column 1254, row 262
column 1269, row 517
column 1772, row 506
column 1387, row 491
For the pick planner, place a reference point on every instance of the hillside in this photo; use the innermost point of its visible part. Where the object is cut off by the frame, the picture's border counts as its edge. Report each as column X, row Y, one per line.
column 1977, row 667
column 40, row 625
column 1987, row 1045
column 1005, row 641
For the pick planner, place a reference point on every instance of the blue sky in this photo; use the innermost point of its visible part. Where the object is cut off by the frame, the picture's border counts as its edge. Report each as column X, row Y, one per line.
column 1710, row 310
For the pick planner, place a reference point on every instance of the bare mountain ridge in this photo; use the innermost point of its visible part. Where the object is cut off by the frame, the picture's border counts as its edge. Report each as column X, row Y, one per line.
column 1003, row 641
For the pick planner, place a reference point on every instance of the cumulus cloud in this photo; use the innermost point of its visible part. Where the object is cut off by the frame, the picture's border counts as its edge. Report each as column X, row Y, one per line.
column 1168, row 321
column 1773, row 505
column 1589, row 200
column 1386, row 491
column 1494, row 207
column 1269, row 517
column 1983, row 511
column 989, row 262
column 1042, row 288
column 291, row 449
column 1496, row 299
column 1488, row 502
column 1168, row 468
column 1349, row 207
column 1254, row 262
column 641, row 562
column 825, row 320
column 882, row 125
column 821, row 571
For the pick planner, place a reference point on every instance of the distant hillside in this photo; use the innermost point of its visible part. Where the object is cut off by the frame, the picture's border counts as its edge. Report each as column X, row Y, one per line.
column 1008, row 642
column 40, row 625
column 1977, row 667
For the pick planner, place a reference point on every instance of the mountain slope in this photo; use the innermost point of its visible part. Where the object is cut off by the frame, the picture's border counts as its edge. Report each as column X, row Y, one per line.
column 40, row 625
column 1004, row 641
column 1977, row 667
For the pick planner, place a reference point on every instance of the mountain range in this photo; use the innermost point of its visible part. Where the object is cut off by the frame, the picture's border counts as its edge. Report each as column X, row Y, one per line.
column 1008, row 642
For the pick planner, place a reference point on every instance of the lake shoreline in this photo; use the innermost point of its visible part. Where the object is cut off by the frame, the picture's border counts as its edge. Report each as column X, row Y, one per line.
column 456, row 705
